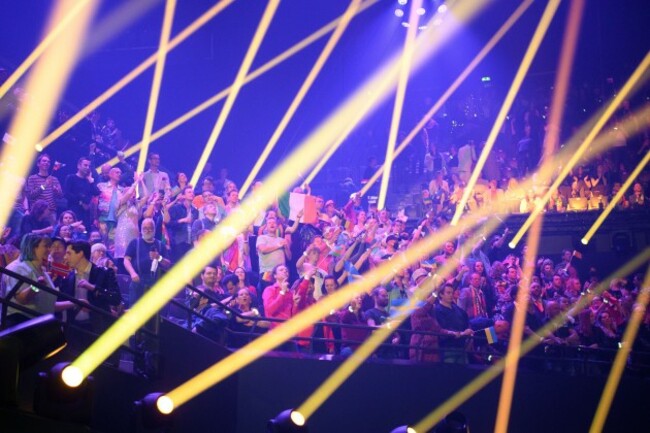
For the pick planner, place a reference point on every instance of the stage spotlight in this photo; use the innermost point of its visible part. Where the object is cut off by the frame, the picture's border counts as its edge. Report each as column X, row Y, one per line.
column 154, row 411
column 455, row 422
column 403, row 429
column 421, row 11
column 287, row 421
column 442, row 8
column 24, row 345
column 399, row 13
column 54, row 399
column 402, row 2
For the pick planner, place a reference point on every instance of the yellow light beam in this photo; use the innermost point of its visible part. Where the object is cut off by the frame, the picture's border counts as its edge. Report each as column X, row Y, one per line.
column 482, row 380
column 349, row 13
column 561, row 87
column 627, row 341
column 405, row 68
column 254, row 46
column 42, row 46
column 168, row 19
column 517, row 331
column 368, row 347
column 612, row 204
column 535, row 42
column 306, row 154
column 296, row 48
column 557, row 109
column 45, row 84
column 600, row 123
column 450, row 91
column 136, row 72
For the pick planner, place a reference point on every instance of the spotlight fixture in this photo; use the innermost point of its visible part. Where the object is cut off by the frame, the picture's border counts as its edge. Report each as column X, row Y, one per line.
column 402, row 2
column 24, row 345
column 421, row 11
column 442, row 8
column 155, row 411
column 403, row 429
column 288, row 421
column 54, row 399
column 399, row 13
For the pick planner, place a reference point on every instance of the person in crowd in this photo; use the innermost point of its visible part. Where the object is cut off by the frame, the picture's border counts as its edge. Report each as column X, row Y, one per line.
column 244, row 324
column 143, row 261
column 154, row 179
column 80, row 189
column 455, row 322
column 38, row 221
column 181, row 217
column 68, row 218
column 43, row 185
column 92, row 284
column 99, row 256
column 34, row 250
column 272, row 251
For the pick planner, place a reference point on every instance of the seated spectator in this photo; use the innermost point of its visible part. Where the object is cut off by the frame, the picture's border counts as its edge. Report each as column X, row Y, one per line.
column 38, row 221
column 34, row 250
column 99, row 256
column 93, row 284
column 242, row 325
column 68, row 218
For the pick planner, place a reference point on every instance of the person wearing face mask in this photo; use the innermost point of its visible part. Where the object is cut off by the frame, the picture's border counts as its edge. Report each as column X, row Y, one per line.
column 144, row 261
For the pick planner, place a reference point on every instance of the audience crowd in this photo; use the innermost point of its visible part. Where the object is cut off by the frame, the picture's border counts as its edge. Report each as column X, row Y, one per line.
column 104, row 229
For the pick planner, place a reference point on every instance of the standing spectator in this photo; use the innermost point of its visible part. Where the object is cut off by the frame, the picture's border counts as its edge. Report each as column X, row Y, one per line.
column 466, row 159
column 454, row 321
column 43, row 186
column 154, row 179
column 273, row 251
column 208, row 222
column 181, row 216
column 79, row 190
column 472, row 301
column 139, row 261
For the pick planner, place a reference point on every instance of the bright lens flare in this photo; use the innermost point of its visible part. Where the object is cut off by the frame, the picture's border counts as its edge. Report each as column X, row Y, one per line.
column 165, row 405
column 72, row 376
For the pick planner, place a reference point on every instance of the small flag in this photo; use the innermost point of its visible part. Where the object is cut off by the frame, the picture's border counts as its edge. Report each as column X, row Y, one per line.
column 267, row 276
column 348, row 225
column 283, row 205
column 302, row 202
column 491, row 335
column 353, row 272
column 577, row 254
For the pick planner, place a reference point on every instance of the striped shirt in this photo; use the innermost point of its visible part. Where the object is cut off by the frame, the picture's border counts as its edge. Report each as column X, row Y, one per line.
column 37, row 189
